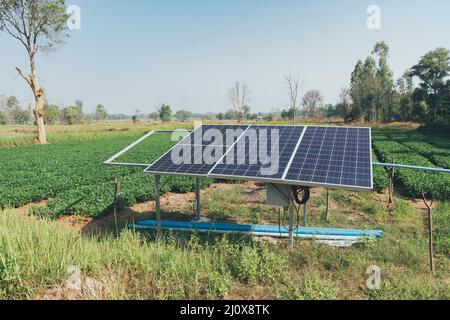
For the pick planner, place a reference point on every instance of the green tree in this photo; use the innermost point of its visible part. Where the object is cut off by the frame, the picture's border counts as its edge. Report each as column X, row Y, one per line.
column 288, row 114
column 385, row 88
column 405, row 91
column 3, row 118
column 220, row 116
column 51, row 114
column 433, row 70
column 100, row 113
column 183, row 115
column 246, row 111
column 231, row 115
column 363, row 90
column 17, row 114
column 72, row 115
column 12, row 103
column 165, row 113
column 20, row 116
column 269, row 117
column 154, row 116
column 39, row 25
column 79, row 105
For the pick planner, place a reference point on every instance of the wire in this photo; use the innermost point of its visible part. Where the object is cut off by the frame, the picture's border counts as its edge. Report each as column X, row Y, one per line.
column 305, row 191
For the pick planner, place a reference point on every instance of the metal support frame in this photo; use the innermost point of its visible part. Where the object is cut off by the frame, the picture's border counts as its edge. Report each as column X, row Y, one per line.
column 291, row 222
column 111, row 160
column 292, row 208
column 197, row 198
column 158, row 199
column 305, row 215
column 389, row 165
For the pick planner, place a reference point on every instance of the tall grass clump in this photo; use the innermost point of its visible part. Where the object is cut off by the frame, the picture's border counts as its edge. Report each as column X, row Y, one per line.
column 36, row 254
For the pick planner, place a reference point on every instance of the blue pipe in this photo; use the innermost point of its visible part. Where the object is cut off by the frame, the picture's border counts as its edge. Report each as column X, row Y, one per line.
column 256, row 229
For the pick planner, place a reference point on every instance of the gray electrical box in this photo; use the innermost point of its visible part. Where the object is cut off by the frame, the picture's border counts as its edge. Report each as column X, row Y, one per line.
column 278, row 195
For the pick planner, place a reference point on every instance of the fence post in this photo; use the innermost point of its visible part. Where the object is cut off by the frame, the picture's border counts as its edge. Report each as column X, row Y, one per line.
column 327, row 213
column 158, row 199
column 430, row 229
column 291, row 223
column 391, row 172
column 197, row 198
column 117, row 195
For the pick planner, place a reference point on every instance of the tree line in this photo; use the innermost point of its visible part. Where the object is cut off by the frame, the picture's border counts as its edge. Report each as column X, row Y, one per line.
column 375, row 96
column 421, row 94
column 11, row 112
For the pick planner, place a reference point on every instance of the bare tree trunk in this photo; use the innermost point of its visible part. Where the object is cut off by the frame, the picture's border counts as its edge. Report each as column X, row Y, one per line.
column 430, row 230
column 39, row 98
column 39, row 95
column 38, row 114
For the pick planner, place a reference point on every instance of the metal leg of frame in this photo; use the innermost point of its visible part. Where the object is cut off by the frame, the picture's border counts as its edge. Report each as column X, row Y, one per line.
column 305, row 215
column 291, row 223
column 197, row 198
column 157, row 199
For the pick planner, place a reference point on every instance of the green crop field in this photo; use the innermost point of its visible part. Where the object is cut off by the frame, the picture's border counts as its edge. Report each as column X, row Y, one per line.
column 68, row 178
column 72, row 178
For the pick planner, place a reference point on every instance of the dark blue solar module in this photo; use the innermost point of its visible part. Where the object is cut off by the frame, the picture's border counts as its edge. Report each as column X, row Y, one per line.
column 198, row 152
column 297, row 155
column 215, row 135
column 263, row 152
column 333, row 156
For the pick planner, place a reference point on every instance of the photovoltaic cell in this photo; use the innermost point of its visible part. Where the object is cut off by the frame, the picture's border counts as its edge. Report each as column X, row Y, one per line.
column 210, row 140
column 263, row 152
column 334, row 156
column 215, row 135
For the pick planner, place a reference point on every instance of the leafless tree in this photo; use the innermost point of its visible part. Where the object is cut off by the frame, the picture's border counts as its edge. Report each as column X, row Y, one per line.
column 239, row 96
column 346, row 100
column 312, row 102
column 293, row 87
column 38, row 25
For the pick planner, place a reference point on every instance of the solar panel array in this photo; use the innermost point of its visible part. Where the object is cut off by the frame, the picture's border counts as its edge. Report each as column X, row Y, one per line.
column 297, row 155
column 280, row 149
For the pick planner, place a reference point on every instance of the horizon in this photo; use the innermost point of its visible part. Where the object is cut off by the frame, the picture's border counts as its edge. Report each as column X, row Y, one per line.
column 188, row 55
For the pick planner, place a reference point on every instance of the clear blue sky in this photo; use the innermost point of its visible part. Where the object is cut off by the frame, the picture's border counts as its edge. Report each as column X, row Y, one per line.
column 137, row 54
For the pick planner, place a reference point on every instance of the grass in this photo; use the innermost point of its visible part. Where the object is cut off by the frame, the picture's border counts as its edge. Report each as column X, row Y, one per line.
column 19, row 135
column 35, row 255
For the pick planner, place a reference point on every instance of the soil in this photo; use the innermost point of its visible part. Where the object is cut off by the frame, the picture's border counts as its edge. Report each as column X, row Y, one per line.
column 182, row 207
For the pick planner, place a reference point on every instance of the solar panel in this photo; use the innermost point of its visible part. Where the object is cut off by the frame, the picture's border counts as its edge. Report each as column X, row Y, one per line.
column 263, row 152
column 198, row 152
column 333, row 156
column 297, row 155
